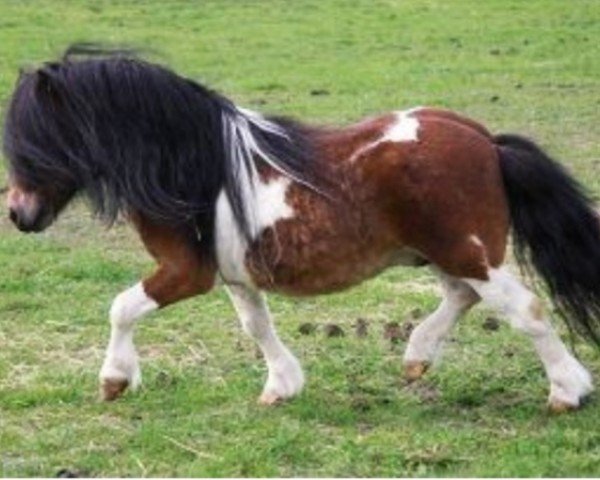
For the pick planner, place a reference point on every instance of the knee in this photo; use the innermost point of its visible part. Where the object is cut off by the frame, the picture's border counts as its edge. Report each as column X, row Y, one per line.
column 462, row 296
column 119, row 311
column 129, row 305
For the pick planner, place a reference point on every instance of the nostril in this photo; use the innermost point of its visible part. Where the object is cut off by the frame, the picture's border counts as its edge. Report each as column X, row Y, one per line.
column 13, row 216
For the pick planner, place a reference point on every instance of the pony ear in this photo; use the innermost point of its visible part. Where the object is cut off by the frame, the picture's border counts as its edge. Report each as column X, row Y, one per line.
column 44, row 81
column 46, row 85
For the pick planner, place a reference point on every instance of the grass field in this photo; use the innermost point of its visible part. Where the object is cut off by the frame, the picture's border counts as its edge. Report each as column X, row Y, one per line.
column 528, row 67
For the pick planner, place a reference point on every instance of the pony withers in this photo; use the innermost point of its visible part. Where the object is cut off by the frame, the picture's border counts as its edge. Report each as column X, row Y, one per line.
column 268, row 204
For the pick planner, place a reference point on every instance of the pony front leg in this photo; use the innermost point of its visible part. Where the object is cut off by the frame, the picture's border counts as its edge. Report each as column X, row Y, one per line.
column 285, row 377
column 186, row 268
column 121, row 367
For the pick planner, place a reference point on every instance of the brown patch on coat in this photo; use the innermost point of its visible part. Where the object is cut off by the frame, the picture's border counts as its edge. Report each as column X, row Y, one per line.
column 184, row 269
column 439, row 191
column 441, row 113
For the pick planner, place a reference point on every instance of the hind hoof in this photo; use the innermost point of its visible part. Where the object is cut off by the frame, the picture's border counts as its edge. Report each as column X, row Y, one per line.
column 111, row 389
column 558, row 406
column 269, row 399
column 415, row 369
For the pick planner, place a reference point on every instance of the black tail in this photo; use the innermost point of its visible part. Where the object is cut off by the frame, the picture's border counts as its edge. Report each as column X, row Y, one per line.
column 556, row 229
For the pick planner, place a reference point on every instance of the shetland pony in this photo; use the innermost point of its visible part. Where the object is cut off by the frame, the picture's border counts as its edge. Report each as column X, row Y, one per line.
column 268, row 204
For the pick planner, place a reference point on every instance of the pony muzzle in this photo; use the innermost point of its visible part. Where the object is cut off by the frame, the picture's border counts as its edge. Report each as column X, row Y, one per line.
column 26, row 212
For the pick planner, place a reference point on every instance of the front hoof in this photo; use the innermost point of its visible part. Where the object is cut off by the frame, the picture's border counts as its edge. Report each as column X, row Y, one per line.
column 111, row 389
column 269, row 399
column 570, row 383
column 415, row 369
column 285, row 380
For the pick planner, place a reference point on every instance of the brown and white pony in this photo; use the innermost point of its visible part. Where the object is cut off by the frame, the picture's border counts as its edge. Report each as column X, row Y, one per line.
column 270, row 205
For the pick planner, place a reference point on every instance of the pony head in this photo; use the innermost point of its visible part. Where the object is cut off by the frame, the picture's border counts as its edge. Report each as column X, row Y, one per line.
column 40, row 184
column 133, row 136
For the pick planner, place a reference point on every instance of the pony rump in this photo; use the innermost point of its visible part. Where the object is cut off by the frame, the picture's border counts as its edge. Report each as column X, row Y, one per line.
column 134, row 136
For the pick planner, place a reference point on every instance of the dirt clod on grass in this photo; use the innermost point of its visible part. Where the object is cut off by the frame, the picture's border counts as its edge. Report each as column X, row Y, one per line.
column 361, row 327
column 491, row 324
column 425, row 391
column 393, row 331
column 307, row 328
column 332, row 330
column 66, row 473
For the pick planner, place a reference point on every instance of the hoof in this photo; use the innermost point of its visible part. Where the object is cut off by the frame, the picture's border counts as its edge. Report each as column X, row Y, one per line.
column 558, row 406
column 269, row 399
column 112, row 389
column 415, row 369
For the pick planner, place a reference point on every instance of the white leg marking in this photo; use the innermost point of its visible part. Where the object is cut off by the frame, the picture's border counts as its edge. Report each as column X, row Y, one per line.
column 121, row 361
column 427, row 338
column 569, row 380
column 285, row 378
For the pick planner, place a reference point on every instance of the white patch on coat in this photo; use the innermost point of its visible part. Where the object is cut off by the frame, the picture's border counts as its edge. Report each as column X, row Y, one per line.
column 474, row 239
column 266, row 203
column 121, row 361
column 569, row 380
column 404, row 129
column 243, row 145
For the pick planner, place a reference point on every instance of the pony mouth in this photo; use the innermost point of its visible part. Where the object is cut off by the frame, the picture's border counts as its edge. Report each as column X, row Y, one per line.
column 37, row 226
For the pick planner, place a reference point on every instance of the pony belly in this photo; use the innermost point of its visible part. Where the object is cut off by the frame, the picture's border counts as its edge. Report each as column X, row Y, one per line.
column 309, row 271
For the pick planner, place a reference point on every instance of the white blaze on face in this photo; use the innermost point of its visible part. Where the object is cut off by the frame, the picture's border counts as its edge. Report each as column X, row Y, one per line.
column 18, row 199
column 267, row 205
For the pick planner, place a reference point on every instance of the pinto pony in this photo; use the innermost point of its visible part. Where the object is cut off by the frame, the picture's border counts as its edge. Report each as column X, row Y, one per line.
column 268, row 204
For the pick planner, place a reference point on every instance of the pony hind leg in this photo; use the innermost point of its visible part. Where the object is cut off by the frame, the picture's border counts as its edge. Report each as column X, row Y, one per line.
column 285, row 377
column 569, row 380
column 427, row 338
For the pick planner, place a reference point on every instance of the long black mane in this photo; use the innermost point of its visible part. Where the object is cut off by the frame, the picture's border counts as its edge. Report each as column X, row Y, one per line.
column 135, row 136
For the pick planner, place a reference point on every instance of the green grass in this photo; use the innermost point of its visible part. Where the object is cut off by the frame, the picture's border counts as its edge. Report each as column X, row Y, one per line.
column 529, row 67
